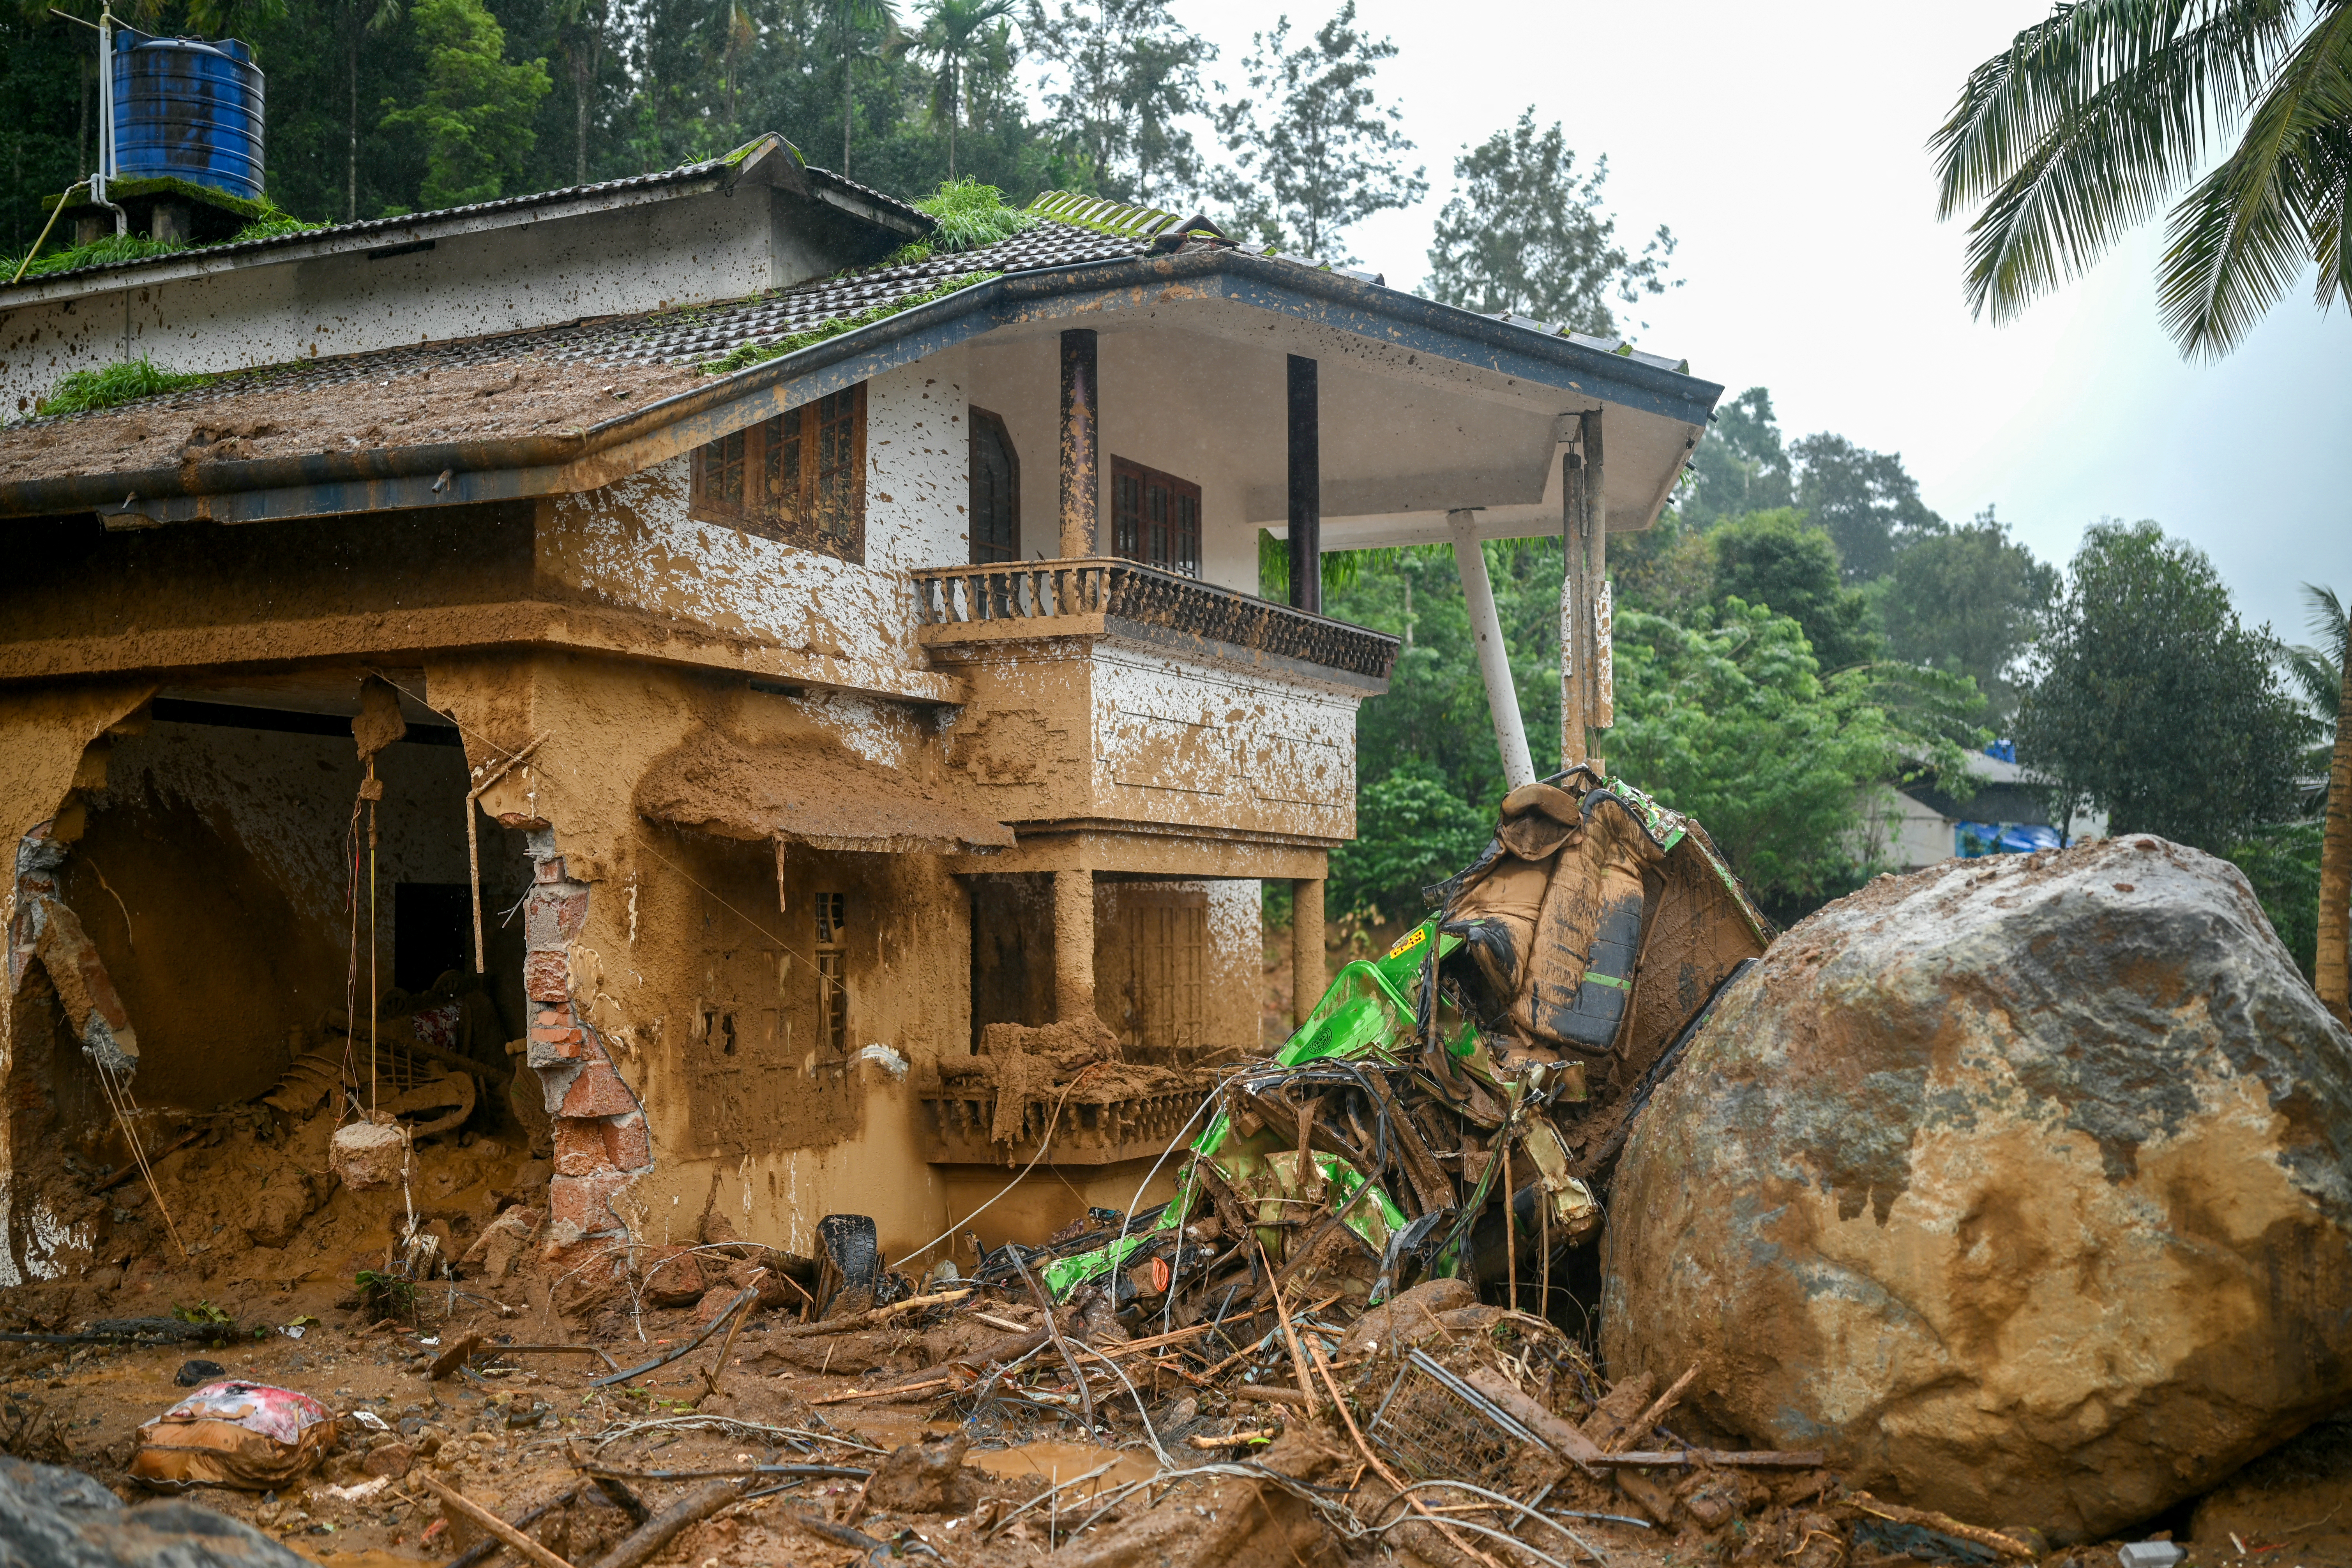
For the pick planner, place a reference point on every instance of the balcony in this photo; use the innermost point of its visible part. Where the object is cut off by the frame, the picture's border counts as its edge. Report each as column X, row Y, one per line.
column 1018, row 600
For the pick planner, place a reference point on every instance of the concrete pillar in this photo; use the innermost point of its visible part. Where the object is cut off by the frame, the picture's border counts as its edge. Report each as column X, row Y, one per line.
column 1074, row 945
column 1307, row 978
column 1590, row 565
column 1081, row 452
column 173, row 221
column 1306, row 488
column 1494, row 661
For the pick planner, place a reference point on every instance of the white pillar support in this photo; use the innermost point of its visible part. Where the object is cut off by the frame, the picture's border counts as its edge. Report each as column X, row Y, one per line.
column 1494, row 662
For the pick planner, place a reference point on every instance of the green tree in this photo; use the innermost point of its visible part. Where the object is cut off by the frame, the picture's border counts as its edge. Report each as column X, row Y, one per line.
column 861, row 29
column 1127, row 75
column 1412, row 831
column 1525, row 232
column 959, row 37
column 1316, row 152
column 1971, row 601
column 1781, row 559
column 2091, row 120
column 1868, row 502
column 1729, row 720
column 2153, row 701
column 476, row 116
column 1739, row 465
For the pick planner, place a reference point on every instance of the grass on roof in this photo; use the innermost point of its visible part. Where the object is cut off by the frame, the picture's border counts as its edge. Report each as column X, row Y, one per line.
column 745, row 355
column 117, row 248
column 969, row 215
column 85, row 391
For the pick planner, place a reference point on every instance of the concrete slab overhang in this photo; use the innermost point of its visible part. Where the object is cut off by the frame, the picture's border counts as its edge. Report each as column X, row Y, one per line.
column 1380, row 333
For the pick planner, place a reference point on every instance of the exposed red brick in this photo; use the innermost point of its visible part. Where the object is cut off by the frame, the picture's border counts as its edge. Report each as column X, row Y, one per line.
column 586, row 1201
column 554, row 915
column 546, row 976
column 548, row 870
column 582, row 1148
column 628, row 1142
column 598, row 1091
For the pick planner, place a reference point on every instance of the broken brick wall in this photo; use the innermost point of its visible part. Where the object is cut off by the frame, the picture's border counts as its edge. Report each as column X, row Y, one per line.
column 678, row 1031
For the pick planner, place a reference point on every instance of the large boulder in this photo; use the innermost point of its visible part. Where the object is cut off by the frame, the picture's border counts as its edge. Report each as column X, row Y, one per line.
column 2020, row 1184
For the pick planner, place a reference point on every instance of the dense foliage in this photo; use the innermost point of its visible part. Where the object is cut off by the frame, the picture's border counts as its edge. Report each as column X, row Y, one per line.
column 2155, row 704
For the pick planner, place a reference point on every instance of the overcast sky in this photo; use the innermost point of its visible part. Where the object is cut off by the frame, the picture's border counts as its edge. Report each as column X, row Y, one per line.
column 1785, row 145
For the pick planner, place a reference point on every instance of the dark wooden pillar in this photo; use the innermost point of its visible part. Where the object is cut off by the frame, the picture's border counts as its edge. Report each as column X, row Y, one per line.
column 1306, row 488
column 1081, row 447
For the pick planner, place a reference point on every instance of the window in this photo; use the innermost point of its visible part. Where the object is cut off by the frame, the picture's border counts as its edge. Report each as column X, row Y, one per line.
column 832, row 970
column 799, row 476
column 1155, row 518
column 995, row 509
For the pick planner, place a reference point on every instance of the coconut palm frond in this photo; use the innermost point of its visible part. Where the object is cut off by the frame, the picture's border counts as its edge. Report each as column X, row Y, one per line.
column 2086, row 126
column 2242, row 235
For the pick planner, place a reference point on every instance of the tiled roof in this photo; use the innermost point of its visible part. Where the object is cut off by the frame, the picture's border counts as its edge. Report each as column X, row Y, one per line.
column 455, row 390
column 685, row 173
column 688, row 336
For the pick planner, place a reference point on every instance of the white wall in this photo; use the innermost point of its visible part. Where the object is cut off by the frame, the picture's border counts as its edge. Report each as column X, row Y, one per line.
column 685, row 250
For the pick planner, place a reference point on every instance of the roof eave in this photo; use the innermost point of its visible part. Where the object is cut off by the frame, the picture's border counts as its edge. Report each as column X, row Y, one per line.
column 445, row 473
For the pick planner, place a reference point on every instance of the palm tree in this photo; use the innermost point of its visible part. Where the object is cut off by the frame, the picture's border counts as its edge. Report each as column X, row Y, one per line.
column 2092, row 119
column 580, row 34
column 958, row 39
column 2325, row 673
column 851, row 17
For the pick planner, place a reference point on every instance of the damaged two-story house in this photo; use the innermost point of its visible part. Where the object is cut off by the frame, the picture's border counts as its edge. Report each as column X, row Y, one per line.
column 682, row 643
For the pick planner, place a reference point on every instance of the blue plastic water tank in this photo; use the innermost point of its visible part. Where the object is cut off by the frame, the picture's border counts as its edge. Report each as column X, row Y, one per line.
column 190, row 109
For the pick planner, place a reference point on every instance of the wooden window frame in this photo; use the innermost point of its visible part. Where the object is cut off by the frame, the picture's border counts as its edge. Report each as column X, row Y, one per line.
column 1169, row 541
column 981, row 420
column 773, row 478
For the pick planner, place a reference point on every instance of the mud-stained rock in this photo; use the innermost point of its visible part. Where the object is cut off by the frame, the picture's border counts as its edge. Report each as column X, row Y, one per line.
column 55, row 1517
column 1412, row 1316
column 927, row 1476
column 2019, row 1184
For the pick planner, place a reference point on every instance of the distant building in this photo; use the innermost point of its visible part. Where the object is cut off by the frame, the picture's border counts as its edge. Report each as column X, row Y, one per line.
column 2008, row 813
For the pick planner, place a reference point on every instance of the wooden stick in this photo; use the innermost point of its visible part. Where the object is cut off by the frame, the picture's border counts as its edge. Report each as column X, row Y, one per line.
column 452, row 1357
column 1248, row 1392
column 1557, row 1435
column 451, row 1497
column 1046, row 1305
column 726, row 1347
column 1750, row 1459
column 1663, row 1403
column 885, row 1392
column 2008, row 1546
column 1232, row 1438
column 131, row 1169
column 869, row 1317
column 647, row 1539
column 746, row 1294
column 481, row 1551
column 1289, row 1334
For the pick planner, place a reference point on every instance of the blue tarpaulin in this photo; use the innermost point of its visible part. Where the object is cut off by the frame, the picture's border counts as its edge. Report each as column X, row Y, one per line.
column 1972, row 839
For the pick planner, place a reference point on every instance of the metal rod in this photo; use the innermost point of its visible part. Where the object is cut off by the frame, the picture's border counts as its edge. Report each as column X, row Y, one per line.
column 1494, row 661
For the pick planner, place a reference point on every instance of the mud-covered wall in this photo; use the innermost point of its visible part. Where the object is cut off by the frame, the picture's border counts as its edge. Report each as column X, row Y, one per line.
column 633, row 545
column 1103, row 729
column 689, row 967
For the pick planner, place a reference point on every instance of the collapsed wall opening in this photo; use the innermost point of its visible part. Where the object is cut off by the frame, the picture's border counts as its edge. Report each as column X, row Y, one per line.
column 275, row 951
